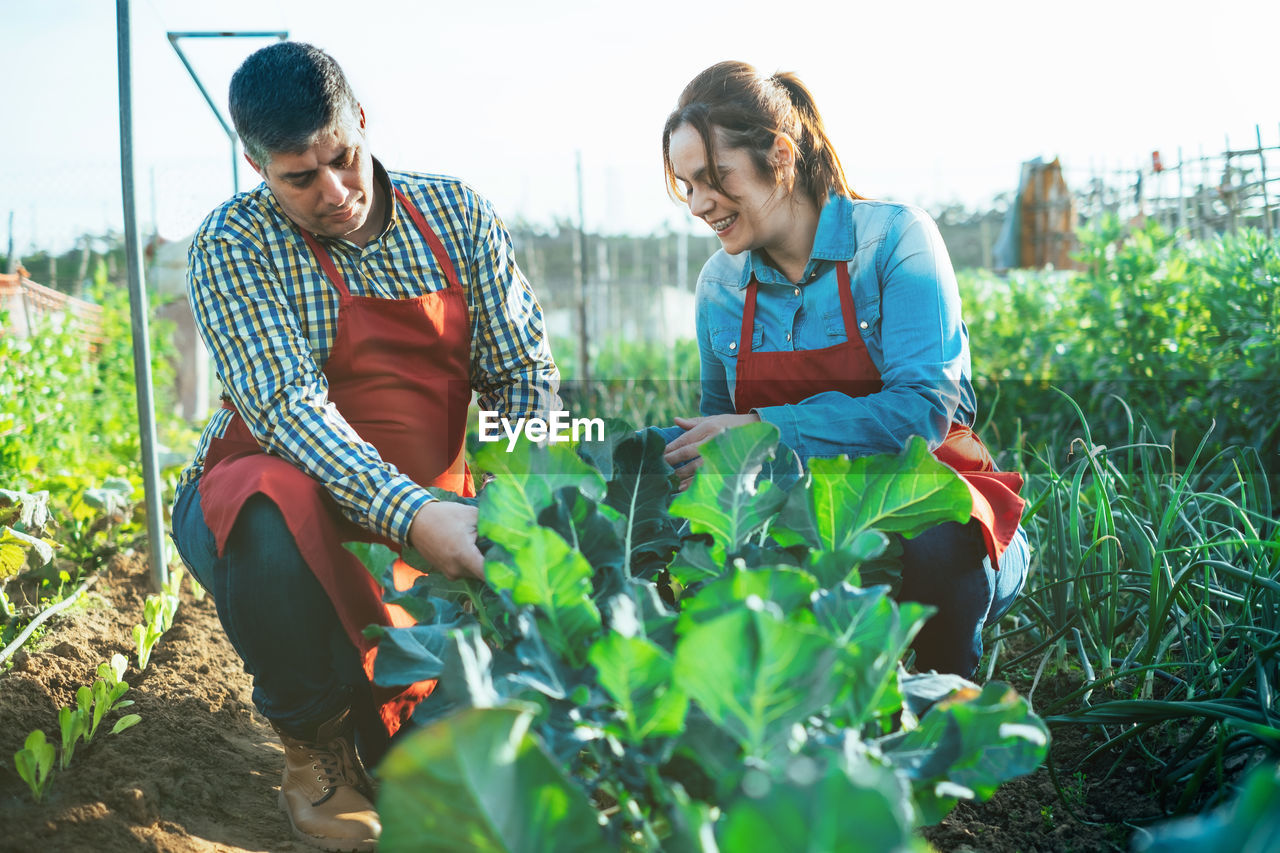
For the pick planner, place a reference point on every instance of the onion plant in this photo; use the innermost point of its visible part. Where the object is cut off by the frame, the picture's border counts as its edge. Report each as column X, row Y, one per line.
column 1166, row 581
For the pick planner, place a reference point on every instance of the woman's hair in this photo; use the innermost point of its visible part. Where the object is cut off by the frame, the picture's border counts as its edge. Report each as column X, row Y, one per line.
column 752, row 110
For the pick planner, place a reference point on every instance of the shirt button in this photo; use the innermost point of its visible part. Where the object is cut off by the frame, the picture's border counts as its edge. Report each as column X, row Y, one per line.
column 733, row 346
column 788, row 337
column 862, row 325
column 797, row 291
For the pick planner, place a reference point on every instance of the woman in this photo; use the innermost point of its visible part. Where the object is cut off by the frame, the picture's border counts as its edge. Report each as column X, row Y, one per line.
column 837, row 320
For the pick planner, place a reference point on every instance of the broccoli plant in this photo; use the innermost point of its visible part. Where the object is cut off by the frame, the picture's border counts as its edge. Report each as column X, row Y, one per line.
column 653, row 670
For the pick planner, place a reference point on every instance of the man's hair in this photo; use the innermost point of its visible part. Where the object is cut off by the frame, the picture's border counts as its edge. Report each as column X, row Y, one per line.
column 284, row 95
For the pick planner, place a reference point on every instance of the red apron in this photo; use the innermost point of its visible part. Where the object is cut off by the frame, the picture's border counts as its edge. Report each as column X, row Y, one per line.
column 787, row 377
column 399, row 372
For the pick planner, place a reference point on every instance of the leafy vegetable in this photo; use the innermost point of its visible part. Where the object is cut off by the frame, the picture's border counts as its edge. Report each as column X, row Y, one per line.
column 705, row 685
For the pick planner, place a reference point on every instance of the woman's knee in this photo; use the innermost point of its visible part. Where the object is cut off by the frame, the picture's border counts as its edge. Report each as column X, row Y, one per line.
column 1009, row 580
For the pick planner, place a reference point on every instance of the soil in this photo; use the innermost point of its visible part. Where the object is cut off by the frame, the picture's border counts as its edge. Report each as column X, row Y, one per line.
column 201, row 770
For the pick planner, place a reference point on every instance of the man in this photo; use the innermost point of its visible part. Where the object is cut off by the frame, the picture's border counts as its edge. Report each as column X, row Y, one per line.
column 350, row 312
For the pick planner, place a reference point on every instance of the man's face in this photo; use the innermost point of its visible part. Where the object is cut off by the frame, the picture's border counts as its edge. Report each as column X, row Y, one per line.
column 328, row 189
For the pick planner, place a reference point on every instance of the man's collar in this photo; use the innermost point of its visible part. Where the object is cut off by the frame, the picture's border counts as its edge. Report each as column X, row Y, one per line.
column 383, row 182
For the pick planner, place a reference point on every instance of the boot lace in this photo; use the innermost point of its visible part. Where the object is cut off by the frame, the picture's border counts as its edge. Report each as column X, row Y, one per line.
column 326, row 764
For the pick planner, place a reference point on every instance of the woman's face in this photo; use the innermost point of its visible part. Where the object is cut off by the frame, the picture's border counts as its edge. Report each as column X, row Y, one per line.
column 753, row 213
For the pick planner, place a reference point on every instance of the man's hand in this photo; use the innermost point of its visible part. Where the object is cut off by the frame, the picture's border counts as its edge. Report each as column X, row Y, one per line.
column 444, row 533
column 699, row 431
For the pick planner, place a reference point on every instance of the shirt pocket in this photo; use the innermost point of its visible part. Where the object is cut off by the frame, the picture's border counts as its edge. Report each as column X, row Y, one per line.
column 833, row 326
column 869, row 320
column 725, row 341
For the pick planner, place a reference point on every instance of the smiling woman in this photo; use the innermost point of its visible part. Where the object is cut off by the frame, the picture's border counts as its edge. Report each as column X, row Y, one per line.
column 837, row 320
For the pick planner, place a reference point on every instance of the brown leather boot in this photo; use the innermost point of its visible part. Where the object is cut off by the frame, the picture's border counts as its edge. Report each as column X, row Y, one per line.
column 325, row 790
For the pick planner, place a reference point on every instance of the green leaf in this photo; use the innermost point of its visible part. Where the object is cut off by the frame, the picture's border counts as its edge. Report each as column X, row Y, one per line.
column 707, row 758
column 587, row 526
column 101, row 705
column 728, row 498
column 694, row 562
column 409, row 655
column 872, row 632
column 113, row 499
column 640, row 488
column 843, row 565
column 12, row 558
column 966, row 746
column 478, row 781
column 755, row 674
column 692, row 825
column 812, row 809
column 34, row 763
column 600, row 454
column 125, row 722
column 543, row 672
column 906, row 493
column 1249, row 822
column 466, row 680
column 782, row 590
column 377, row 559
column 547, row 574
column 71, row 722
column 527, row 481
column 17, row 547
column 638, row 675
column 27, row 510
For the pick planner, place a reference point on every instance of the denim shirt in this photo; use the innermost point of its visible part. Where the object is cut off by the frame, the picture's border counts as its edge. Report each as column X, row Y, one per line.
column 908, row 311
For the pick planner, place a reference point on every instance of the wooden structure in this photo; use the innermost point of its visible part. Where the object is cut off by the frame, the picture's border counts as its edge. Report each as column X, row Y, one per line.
column 24, row 304
column 1047, row 226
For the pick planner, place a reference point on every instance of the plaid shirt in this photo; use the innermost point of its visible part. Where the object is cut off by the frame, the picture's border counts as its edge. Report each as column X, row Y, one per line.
column 269, row 315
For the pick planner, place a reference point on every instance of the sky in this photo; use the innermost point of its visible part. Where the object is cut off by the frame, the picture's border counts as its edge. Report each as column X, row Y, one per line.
column 926, row 102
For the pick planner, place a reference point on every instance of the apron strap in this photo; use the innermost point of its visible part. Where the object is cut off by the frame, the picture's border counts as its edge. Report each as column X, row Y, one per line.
column 846, row 308
column 846, row 301
column 437, row 248
column 327, row 264
column 433, row 242
column 748, row 318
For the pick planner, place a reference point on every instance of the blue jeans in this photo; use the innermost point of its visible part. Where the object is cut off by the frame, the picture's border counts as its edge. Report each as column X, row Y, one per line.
column 279, row 620
column 947, row 566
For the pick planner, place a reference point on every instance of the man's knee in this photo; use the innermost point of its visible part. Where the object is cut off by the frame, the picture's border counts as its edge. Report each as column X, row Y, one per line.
column 262, row 536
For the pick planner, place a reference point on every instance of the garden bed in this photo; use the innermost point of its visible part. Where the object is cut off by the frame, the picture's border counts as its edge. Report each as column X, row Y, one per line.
column 199, row 773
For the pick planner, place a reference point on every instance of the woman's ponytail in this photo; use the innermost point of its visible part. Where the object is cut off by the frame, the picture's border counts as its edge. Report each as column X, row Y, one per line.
column 817, row 164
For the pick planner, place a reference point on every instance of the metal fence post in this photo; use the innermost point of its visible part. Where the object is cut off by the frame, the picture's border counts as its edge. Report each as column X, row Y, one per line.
column 138, row 309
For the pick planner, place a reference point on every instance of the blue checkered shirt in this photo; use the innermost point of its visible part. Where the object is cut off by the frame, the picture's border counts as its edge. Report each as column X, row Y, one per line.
column 269, row 315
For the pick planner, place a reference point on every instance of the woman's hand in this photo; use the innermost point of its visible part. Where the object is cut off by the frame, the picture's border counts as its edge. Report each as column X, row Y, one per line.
column 698, row 431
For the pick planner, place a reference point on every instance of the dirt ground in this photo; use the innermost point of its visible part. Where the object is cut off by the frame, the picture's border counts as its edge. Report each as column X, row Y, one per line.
column 200, row 772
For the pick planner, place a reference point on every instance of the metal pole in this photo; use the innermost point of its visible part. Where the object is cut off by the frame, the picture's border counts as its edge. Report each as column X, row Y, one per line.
column 1182, row 203
column 583, row 353
column 1262, row 165
column 138, row 309
column 226, row 126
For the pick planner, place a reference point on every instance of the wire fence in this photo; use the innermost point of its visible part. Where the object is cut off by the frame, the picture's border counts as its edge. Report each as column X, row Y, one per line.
column 1203, row 194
